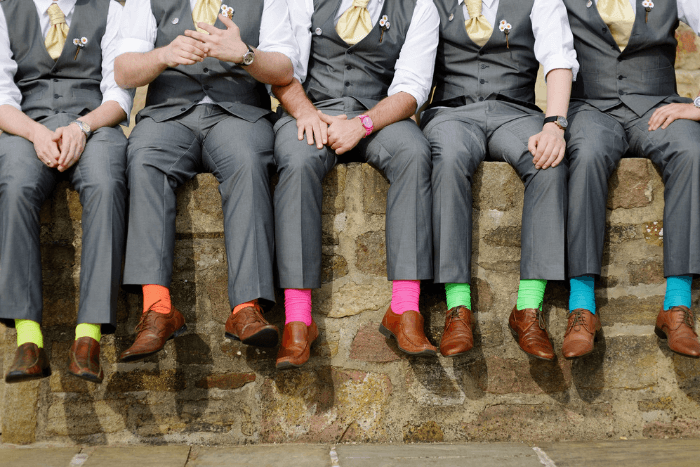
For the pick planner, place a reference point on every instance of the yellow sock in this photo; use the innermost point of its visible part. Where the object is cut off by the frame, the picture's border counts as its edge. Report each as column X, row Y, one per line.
column 88, row 330
column 29, row 331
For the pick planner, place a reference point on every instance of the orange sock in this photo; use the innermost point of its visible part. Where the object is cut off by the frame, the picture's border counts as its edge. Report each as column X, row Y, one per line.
column 156, row 298
column 252, row 303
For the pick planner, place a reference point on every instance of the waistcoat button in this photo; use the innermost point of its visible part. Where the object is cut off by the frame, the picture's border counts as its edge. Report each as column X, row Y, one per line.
column 482, row 81
column 347, row 84
column 56, row 96
column 481, row 99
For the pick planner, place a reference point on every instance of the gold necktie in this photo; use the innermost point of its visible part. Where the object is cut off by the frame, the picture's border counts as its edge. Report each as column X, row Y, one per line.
column 619, row 17
column 355, row 23
column 58, row 31
column 478, row 27
column 205, row 11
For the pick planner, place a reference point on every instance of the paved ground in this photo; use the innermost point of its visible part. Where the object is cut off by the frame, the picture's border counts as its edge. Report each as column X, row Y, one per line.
column 676, row 453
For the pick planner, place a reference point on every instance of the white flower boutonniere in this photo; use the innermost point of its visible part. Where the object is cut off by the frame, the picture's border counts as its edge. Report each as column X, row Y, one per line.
column 227, row 11
column 648, row 6
column 505, row 27
column 385, row 25
column 79, row 44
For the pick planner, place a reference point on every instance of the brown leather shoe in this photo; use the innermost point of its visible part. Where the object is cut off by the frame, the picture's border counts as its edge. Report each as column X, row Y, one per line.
column 249, row 327
column 580, row 333
column 153, row 331
column 529, row 329
column 457, row 338
column 407, row 329
column 678, row 325
column 84, row 360
column 30, row 363
column 296, row 344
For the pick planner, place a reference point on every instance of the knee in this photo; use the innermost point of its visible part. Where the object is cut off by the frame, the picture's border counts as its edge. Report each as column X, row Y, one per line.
column 589, row 158
column 297, row 159
column 18, row 189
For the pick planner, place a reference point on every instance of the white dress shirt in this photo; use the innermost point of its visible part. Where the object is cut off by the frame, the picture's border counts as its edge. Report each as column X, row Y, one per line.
column 139, row 30
column 414, row 67
column 10, row 93
column 554, row 43
column 688, row 12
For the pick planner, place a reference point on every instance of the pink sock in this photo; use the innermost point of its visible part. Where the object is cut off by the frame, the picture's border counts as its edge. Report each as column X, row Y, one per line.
column 404, row 296
column 297, row 305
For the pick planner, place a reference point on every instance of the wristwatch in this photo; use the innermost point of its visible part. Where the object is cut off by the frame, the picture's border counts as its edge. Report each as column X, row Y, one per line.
column 84, row 127
column 696, row 102
column 367, row 124
column 561, row 122
column 248, row 57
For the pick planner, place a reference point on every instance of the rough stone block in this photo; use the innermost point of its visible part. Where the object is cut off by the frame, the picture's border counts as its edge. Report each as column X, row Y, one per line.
column 498, row 375
column 225, row 381
column 648, row 271
column 428, row 432
column 375, row 188
column 629, row 309
column 370, row 346
column 333, row 267
column 147, row 380
column 630, row 185
column 77, row 418
column 371, row 253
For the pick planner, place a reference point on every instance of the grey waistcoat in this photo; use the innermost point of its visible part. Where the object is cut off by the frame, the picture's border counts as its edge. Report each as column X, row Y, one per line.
column 177, row 89
column 363, row 71
column 49, row 87
column 642, row 75
column 466, row 73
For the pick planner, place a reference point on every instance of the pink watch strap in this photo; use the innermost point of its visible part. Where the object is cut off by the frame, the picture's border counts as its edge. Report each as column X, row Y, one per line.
column 367, row 124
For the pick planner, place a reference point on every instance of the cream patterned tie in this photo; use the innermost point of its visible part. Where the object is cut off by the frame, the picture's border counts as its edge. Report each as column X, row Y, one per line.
column 478, row 27
column 355, row 23
column 58, row 31
column 205, row 11
column 619, row 17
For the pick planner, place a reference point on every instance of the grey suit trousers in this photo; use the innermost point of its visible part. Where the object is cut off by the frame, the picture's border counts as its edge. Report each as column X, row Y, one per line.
column 162, row 156
column 25, row 183
column 399, row 150
column 596, row 143
column 460, row 139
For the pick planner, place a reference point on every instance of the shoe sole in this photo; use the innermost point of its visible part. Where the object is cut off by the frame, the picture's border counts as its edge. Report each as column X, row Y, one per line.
column 423, row 353
column 18, row 377
column 455, row 354
column 137, row 357
column 287, row 365
column 267, row 338
column 662, row 335
column 517, row 341
column 87, row 377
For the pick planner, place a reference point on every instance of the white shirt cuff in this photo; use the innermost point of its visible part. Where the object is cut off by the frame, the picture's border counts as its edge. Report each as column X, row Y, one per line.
column 121, row 97
column 560, row 61
column 133, row 45
column 417, row 95
column 9, row 101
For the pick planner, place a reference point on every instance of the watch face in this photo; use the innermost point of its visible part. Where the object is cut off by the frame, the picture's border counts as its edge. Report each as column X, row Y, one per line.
column 562, row 122
column 697, row 102
column 248, row 58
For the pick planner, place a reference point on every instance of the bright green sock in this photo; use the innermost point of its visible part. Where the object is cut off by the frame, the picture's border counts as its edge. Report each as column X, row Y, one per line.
column 531, row 293
column 29, row 331
column 458, row 295
column 88, row 330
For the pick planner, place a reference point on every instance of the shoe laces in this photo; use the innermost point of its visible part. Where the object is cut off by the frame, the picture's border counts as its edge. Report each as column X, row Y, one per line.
column 540, row 319
column 454, row 313
column 142, row 321
column 689, row 318
column 578, row 319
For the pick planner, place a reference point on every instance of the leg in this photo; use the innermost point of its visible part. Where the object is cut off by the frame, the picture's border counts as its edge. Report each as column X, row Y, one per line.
column 99, row 178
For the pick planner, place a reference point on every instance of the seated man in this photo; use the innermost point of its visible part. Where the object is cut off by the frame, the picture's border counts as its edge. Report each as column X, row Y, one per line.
column 484, row 104
column 59, row 113
column 625, row 102
column 367, row 65
column 207, row 110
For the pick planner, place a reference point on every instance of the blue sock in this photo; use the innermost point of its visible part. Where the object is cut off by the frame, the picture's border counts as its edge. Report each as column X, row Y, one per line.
column 677, row 291
column 582, row 293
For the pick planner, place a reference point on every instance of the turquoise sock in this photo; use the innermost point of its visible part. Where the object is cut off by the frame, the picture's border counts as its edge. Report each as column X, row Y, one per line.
column 582, row 293
column 677, row 291
column 458, row 295
column 531, row 293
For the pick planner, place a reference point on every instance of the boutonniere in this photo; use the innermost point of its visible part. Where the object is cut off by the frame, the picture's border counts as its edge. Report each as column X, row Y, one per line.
column 79, row 44
column 385, row 25
column 648, row 5
column 505, row 27
column 227, row 11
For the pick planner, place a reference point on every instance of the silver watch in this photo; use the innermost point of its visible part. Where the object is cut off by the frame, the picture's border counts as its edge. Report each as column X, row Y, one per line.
column 248, row 57
column 696, row 102
column 84, row 127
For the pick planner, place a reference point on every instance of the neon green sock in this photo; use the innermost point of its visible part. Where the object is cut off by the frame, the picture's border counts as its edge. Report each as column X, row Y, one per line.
column 531, row 293
column 29, row 331
column 458, row 295
column 88, row 330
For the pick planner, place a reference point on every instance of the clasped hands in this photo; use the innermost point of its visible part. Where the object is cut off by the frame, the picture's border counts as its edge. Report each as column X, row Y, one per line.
column 339, row 133
column 223, row 44
column 59, row 149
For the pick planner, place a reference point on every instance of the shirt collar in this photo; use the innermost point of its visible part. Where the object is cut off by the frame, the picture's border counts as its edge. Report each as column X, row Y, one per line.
column 66, row 6
column 488, row 3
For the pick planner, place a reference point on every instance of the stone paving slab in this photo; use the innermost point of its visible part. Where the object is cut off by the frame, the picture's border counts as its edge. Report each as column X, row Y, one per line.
column 141, row 456
column 443, row 455
column 44, row 457
column 296, row 455
column 633, row 453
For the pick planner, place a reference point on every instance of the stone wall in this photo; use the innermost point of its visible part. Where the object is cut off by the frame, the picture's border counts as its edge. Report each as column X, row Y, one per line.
column 357, row 386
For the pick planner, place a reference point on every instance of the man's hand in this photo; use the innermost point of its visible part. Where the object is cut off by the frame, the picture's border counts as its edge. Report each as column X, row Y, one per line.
column 663, row 116
column 46, row 148
column 316, row 129
column 547, row 147
column 223, row 44
column 182, row 51
column 71, row 140
column 343, row 134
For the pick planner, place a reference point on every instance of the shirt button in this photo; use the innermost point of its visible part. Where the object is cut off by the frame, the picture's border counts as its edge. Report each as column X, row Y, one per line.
column 482, row 81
